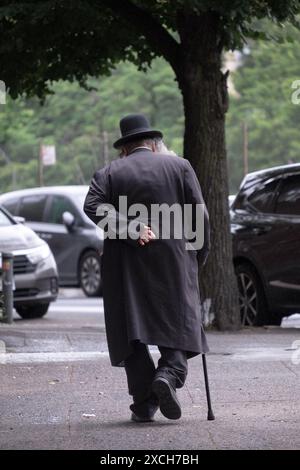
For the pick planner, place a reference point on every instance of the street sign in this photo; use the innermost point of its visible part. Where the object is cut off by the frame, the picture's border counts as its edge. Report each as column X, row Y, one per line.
column 48, row 155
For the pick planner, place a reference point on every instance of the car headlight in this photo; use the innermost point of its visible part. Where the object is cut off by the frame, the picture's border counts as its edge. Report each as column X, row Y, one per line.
column 38, row 254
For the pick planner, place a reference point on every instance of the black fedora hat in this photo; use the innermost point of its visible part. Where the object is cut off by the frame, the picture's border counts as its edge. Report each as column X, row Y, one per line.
column 135, row 126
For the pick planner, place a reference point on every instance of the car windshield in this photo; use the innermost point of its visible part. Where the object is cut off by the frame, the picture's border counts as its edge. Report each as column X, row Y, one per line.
column 4, row 220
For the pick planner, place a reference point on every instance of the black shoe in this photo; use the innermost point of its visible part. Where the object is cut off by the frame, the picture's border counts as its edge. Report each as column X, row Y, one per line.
column 142, row 419
column 168, row 402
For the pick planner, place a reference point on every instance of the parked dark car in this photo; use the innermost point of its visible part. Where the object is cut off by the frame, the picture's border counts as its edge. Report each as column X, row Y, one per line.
column 56, row 215
column 265, row 225
column 34, row 267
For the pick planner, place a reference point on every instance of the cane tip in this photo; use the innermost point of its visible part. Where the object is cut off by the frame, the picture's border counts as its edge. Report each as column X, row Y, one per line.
column 210, row 416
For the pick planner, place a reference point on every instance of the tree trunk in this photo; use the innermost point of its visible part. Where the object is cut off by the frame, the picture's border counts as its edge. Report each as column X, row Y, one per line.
column 204, row 90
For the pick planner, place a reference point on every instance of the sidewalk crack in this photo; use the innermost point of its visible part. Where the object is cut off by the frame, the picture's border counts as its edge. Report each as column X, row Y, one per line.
column 289, row 368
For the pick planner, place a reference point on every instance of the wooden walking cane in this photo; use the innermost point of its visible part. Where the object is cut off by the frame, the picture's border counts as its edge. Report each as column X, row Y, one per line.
column 210, row 414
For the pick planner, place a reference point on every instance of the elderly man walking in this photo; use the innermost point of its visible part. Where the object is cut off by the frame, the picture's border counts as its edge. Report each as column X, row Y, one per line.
column 150, row 282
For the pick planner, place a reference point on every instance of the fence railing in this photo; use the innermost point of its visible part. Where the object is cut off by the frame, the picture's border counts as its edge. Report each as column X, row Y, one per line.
column 6, row 287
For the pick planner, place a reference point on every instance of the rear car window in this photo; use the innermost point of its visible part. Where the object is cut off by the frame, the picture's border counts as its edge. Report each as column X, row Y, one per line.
column 259, row 196
column 263, row 199
column 32, row 207
column 288, row 201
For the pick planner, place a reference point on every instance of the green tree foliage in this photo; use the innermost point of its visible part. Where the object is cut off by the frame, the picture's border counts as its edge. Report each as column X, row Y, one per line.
column 74, row 120
column 53, row 40
column 264, row 84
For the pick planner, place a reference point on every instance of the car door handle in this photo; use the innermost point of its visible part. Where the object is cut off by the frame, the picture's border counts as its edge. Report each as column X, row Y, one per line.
column 261, row 230
column 45, row 236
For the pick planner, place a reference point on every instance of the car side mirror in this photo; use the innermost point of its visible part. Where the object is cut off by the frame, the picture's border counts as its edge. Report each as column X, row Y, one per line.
column 19, row 220
column 68, row 220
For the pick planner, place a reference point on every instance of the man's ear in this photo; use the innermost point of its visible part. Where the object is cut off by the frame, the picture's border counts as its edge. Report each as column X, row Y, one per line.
column 124, row 151
column 153, row 147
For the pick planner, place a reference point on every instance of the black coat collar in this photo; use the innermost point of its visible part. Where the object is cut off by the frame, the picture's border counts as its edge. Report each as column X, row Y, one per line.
column 138, row 150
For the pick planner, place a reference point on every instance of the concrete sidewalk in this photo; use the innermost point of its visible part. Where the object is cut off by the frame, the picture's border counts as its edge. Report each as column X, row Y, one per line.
column 80, row 402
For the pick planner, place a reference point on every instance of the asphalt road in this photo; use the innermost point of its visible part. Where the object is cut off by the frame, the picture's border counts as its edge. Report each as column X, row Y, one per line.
column 58, row 390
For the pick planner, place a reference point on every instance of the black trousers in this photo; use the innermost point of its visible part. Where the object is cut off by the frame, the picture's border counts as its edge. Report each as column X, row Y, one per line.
column 140, row 371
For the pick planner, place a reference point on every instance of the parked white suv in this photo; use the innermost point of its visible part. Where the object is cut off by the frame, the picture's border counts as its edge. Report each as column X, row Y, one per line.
column 34, row 267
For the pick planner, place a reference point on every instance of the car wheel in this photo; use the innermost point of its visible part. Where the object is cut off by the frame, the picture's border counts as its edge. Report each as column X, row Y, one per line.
column 253, row 306
column 90, row 274
column 32, row 311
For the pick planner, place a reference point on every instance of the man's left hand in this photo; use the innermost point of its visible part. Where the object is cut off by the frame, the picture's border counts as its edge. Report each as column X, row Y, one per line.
column 146, row 236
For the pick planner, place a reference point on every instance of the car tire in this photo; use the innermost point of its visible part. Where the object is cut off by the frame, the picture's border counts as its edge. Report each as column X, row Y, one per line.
column 90, row 274
column 252, row 300
column 32, row 311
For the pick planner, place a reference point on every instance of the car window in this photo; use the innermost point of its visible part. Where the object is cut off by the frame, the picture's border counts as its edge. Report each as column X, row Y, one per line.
column 262, row 198
column 4, row 220
column 12, row 205
column 32, row 207
column 59, row 205
column 288, row 201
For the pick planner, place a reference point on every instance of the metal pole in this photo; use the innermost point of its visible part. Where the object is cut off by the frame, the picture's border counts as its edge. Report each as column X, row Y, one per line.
column 7, row 286
column 105, row 148
column 40, row 168
column 246, row 148
column 210, row 414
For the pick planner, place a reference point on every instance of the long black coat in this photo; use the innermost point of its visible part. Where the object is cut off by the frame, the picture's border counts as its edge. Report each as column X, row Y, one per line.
column 150, row 292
